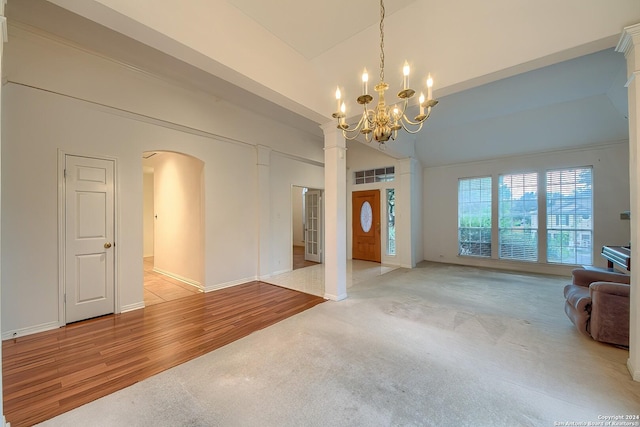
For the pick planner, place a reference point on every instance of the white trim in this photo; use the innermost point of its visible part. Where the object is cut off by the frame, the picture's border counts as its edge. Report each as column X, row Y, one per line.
column 179, row 278
column 30, row 330
column 5, row 32
column 335, row 297
column 37, row 32
column 635, row 374
column 229, row 284
column 61, row 239
column 132, row 307
column 626, row 42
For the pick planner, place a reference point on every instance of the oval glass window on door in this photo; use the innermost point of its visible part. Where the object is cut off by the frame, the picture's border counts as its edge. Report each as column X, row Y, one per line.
column 366, row 217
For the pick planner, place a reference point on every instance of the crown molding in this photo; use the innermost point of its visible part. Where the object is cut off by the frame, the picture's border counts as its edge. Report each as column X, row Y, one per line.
column 630, row 37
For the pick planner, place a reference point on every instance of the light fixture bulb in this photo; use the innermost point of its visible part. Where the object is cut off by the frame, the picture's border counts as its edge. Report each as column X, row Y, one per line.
column 429, row 81
column 406, row 69
column 338, row 94
column 421, row 99
column 365, row 76
column 343, row 108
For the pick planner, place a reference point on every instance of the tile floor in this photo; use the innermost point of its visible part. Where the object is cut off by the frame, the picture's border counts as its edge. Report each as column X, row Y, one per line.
column 311, row 279
column 159, row 288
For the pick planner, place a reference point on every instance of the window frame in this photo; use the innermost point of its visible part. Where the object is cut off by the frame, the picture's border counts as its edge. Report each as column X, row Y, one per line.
column 582, row 255
column 478, row 247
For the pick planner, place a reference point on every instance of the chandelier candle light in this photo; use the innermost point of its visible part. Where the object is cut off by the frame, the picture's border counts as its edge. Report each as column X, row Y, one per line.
column 383, row 122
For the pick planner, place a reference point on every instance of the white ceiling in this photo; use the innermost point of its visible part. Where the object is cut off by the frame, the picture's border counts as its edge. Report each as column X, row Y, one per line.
column 313, row 27
column 578, row 102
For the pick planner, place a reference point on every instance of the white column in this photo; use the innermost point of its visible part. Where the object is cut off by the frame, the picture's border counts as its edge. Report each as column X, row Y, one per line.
column 264, row 211
column 335, row 213
column 630, row 45
column 3, row 35
column 407, row 213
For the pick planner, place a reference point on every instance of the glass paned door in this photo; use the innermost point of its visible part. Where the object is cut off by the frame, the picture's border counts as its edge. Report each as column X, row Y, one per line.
column 313, row 226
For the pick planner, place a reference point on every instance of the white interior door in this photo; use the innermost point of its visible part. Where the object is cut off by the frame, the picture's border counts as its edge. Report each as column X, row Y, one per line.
column 313, row 226
column 89, row 238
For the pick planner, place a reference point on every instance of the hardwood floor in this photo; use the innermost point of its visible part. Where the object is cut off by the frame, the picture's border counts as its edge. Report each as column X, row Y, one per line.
column 52, row 372
column 298, row 258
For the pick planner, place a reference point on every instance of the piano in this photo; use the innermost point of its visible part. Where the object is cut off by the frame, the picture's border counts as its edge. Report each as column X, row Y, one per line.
column 617, row 255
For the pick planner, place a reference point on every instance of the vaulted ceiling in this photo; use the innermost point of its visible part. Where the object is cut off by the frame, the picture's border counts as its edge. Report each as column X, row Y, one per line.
column 512, row 77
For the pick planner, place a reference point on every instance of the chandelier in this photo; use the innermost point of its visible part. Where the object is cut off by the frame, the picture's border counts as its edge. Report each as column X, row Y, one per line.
column 383, row 122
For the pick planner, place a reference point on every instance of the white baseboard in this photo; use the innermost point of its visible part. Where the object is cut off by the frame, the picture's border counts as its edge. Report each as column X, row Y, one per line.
column 335, row 297
column 275, row 273
column 132, row 307
column 230, row 284
column 635, row 374
column 30, row 330
column 178, row 277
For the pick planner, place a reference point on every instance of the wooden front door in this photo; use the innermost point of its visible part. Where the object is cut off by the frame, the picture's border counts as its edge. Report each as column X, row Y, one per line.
column 89, row 237
column 366, row 225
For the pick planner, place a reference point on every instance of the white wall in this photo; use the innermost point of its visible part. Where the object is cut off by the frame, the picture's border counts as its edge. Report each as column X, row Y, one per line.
column 286, row 172
column 63, row 98
column 610, row 197
column 179, row 216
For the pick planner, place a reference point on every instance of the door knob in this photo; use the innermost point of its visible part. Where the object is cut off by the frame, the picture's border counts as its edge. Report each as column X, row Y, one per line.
column 107, row 245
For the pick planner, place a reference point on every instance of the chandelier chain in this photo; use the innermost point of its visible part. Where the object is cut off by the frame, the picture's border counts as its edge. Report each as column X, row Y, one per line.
column 381, row 40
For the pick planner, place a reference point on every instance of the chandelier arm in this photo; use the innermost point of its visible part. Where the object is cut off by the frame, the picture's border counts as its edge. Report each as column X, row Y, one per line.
column 404, row 126
column 355, row 132
column 408, row 121
column 405, row 104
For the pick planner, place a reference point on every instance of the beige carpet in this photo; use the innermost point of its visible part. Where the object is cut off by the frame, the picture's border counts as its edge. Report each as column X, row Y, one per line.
column 439, row 345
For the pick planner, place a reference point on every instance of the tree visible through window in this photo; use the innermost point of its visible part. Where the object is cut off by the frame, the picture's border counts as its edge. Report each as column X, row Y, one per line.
column 518, row 216
column 474, row 216
column 569, row 216
column 391, row 221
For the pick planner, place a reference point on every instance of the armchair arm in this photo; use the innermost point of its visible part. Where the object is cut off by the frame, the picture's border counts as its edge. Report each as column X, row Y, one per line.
column 619, row 289
column 585, row 277
column 609, row 320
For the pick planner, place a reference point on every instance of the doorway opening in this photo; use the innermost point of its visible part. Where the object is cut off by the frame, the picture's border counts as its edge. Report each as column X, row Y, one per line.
column 173, row 226
column 307, row 222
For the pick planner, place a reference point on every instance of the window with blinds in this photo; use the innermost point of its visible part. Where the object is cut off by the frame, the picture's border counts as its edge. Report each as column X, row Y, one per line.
column 474, row 216
column 518, row 216
column 570, row 216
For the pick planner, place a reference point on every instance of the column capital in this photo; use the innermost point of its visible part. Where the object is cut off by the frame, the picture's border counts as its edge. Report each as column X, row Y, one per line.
column 629, row 38
column 407, row 165
column 4, row 33
column 333, row 137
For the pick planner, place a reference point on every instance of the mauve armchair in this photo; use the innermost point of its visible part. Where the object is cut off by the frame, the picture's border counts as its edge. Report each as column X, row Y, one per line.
column 597, row 302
